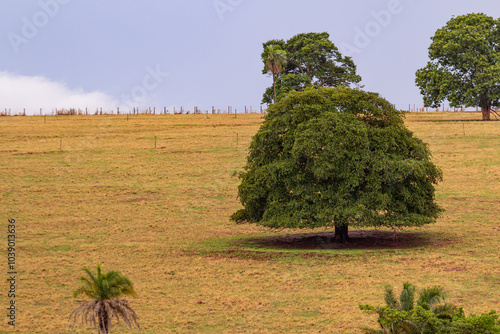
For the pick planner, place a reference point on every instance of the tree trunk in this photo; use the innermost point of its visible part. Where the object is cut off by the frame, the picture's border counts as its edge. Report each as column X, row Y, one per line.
column 274, row 87
column 103, row 322
column 341, row 233
column 485, row 106
column 486, row 110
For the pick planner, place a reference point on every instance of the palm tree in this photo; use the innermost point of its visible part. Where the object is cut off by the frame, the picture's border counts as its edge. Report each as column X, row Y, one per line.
column 406, row 298
column 275, row 60
column 429, row 299
column 104, row 290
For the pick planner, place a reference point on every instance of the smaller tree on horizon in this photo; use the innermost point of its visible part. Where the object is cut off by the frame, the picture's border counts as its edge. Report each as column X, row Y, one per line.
column 312, row 60
column 104, row 291
column 464, row 66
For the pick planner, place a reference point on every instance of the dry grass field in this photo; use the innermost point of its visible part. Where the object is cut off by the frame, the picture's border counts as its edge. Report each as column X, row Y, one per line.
column 89, row 190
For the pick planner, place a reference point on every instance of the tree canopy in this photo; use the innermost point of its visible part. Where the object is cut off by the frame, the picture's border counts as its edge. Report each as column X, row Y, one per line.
column 312, row 60
column 464, row 66
column 336, row 157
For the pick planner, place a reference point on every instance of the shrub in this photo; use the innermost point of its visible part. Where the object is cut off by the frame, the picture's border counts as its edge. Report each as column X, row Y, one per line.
column 429, row 316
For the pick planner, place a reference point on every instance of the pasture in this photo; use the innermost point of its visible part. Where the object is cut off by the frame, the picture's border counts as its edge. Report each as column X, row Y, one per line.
column 89, row 190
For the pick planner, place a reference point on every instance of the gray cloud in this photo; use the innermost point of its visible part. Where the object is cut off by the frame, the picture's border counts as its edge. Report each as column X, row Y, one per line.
column 34, row 92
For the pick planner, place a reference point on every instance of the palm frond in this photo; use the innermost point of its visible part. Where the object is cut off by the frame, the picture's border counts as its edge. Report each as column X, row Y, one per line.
column 102, row 312
column 108, row 286
column 121, row 309
column 87, row 288
column 390, row 297
column 407, row 296
column 118, row 285
column 430, row 296
column 86, row 313
column 95, row 279
column 90, row 287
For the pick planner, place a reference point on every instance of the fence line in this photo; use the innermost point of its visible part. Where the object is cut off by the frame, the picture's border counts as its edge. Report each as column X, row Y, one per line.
column 441, row 109
column 137, row 111
column 197, row 111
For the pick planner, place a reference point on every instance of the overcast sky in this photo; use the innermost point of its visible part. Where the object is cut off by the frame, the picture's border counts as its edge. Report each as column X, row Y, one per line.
column 164, row 53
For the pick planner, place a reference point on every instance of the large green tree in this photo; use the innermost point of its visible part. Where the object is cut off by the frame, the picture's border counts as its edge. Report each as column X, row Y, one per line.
column 104, row 291
column 464, row 66
column 312, row 60
column 336, row 157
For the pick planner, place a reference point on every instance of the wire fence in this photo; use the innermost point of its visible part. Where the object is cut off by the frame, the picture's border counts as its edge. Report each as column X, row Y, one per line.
column 136, row 111
column 194, row 110
column 414, row 108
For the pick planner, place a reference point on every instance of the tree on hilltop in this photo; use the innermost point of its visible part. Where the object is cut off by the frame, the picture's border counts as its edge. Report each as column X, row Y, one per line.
column 312, row 60
column 464, row 66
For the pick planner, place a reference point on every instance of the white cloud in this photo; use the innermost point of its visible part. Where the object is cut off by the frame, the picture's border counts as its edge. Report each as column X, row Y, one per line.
column 34, row 92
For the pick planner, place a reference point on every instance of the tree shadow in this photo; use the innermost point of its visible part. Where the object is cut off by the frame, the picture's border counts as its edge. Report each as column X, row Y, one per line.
column 359, row 239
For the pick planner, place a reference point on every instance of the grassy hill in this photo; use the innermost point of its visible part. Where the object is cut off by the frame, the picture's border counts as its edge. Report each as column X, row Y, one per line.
column 89, row 190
